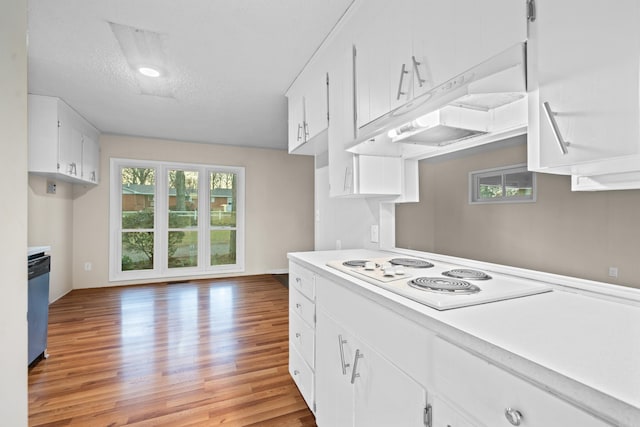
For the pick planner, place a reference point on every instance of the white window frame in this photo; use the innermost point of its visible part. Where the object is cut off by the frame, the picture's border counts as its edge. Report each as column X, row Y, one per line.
column 160, row 269
column 474, row 185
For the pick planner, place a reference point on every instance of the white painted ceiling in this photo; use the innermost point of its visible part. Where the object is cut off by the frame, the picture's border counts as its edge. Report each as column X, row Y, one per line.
column 229, row 63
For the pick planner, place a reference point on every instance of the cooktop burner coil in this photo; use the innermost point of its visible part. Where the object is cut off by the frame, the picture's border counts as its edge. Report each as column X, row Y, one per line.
column 355, row 263
column 411, row 262
column 444, row 285
column 467, row 274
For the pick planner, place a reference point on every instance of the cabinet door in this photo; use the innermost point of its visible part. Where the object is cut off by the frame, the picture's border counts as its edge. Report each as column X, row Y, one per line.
column 69, row 142
column 315, row 105
column 379, row 74
column 334, row 393
column 295, row 111
column 443, row 415
column 384, row 395
column 487, row 392
column 583, row 62
column 90, row 158
column 449, row 37
column 342, row 128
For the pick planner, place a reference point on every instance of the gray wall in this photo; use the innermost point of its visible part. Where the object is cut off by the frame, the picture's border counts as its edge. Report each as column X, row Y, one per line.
column 579, row 234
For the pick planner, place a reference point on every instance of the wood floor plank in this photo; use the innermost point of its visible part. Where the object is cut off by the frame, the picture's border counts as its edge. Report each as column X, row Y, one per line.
column 199, row 353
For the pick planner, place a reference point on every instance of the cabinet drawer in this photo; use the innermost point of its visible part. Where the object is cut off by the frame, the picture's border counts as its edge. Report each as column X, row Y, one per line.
column 302, row 306
column 303, row 280
column 302, row 375
column 302, row 337
column 484, row 392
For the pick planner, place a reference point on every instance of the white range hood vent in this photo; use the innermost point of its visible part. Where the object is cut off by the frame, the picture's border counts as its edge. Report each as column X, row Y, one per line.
column 483, row 104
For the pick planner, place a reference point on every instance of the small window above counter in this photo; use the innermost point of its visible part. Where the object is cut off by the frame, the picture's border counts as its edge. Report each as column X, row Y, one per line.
column 62, row 144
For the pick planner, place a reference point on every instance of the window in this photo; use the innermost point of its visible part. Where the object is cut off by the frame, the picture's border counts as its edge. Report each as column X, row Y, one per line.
column 170, row 219
column 502, row 185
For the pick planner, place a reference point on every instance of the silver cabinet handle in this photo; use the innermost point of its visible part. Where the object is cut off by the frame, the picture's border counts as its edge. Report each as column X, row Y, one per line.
column 341, row 342
column 305, row 126
column 513, row 416
column 416, row 67
column 298, row 305
column 299, row 135
column 556, row 130
column 296, row 372
column 298, row 280
column 403, row 71
column 297, row 334
column 354, row 373
column 354, row 88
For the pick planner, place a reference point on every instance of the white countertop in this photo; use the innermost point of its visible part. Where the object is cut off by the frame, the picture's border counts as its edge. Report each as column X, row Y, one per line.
column 581, row 347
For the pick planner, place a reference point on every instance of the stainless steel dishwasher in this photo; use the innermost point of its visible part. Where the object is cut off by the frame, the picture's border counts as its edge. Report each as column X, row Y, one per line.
column 38, row 305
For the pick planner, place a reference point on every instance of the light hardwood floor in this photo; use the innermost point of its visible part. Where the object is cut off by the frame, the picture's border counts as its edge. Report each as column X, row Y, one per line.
column 199, row 353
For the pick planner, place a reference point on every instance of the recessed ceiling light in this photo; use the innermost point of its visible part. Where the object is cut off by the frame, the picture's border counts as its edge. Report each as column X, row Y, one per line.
column 149, row 72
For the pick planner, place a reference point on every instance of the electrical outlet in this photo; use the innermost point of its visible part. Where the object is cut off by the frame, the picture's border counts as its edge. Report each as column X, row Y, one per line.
column 338, row 245
column 51, row 187
column 87, row 266
column 613, row 271
column 375, row 233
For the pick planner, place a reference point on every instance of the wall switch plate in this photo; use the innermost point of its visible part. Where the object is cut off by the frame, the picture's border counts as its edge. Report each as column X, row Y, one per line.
column 51, row 187
column 87, row 266
column 375, row 233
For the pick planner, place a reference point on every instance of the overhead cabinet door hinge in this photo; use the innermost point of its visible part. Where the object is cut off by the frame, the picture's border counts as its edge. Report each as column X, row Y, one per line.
column 427, row 416
column 531, row 10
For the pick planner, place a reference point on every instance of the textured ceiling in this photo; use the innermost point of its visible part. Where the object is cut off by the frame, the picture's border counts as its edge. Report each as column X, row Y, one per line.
column 229, row 63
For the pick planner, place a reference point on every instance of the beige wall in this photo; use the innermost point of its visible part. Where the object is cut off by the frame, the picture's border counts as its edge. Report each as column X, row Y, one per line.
column 13, row 250
column 578, row 234
column 279, row 203
column 51, row 224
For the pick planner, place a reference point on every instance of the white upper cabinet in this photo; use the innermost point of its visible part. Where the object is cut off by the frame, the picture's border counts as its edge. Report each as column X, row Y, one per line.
column 90, row 158
column 307, row 108
column 584, row 88
column 382, row 72
column 407, row 47
column 62, row 144
column 351, row 174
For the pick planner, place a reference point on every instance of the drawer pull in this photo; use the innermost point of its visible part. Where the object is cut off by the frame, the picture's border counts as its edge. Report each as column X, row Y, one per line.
column 298, row 280
column 513, row 416
column 296, row 372
column 354, row 373
column 298, row 305
column 403, row 71
column 341, row 342
column 297, row 334
column 551, row 116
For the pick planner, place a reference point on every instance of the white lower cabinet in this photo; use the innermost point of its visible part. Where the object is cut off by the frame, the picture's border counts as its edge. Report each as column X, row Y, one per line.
column 371, row 363
column 444, row 414
column 302, row 335
column 495, row 397
column 356, row 386
column 358, row 362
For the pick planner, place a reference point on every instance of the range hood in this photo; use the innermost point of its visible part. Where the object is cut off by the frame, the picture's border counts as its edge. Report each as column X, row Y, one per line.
column 484, row 104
